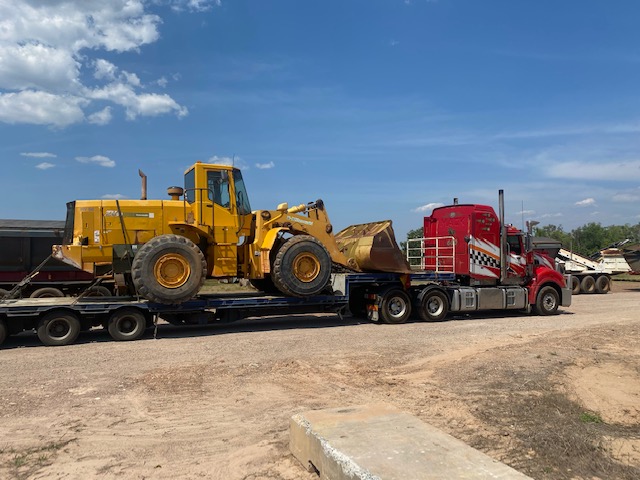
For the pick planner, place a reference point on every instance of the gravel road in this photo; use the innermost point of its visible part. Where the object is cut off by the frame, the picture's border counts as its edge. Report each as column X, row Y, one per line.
column 214, row 402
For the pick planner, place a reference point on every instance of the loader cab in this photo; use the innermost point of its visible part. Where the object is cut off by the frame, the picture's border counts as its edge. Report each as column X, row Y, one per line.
column 219, row 204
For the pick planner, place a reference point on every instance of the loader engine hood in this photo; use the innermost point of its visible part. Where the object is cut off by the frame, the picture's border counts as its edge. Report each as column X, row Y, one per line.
column 372, row 247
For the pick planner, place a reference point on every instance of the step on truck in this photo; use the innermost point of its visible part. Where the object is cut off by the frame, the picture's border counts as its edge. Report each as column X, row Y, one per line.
column 467, row 261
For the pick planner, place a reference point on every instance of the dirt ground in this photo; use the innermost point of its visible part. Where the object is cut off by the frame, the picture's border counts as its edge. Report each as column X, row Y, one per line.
column 554, row 397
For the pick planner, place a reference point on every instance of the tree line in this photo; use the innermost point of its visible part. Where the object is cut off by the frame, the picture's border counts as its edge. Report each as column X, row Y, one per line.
column 584, row 240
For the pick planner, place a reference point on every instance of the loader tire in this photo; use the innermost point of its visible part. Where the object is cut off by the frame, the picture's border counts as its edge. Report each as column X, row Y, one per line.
column 169, row 269
column 302, row 267
column 603, row 284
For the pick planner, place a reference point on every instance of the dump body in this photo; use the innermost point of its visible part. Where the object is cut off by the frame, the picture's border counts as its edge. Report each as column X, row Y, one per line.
column 24, row 246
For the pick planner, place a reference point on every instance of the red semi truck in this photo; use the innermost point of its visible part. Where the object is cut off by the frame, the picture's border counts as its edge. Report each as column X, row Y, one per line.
column 495, row 265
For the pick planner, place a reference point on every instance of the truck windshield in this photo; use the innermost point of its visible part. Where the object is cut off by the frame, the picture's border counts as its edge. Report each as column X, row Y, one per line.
column 242, row 200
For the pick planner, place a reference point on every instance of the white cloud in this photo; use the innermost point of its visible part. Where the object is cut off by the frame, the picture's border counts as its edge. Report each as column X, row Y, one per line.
column 45, row 166
column 39, row 154
column 231, row 161
column 603, row 170
column 41, row 108
column 587, row 202
column 265, row 166
column 44, row 47
column 113, row 196
column 428, row 207
column 194, row 5
column 101, row 117
column 100, row 160
column 627, row 197
column 551, row 215
column 525, row 212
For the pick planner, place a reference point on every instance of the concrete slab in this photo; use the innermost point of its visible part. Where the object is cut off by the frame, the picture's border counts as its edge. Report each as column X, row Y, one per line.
column 379, row 442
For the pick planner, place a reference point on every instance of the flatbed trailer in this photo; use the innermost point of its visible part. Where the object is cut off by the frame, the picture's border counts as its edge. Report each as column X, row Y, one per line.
column 379, row 297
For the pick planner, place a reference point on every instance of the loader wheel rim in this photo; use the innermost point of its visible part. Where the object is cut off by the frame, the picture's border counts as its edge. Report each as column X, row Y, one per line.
column 172, row 270
column 306, row 267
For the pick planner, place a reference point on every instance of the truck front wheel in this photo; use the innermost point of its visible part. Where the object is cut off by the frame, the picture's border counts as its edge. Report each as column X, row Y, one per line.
column 547, row 301
column 169, row 269
column 434, row 306
column 302, row 267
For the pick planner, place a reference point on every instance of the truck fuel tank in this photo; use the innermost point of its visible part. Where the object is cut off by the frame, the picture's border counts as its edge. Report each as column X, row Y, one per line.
column 372, row 247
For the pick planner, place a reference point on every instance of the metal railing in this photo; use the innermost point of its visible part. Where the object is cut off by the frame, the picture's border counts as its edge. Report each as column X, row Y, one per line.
column 432, row 254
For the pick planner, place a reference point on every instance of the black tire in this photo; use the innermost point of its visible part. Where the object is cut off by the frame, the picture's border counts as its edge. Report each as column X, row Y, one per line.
column 127, row 324
column 99, row 291
column 575, row 285
column 603, row 284
column 3, row 331
column 547, row 301
column 302, row 267
column 47, row 292
column 264, row 285
column 395, row 306
column 169, row 269
column 58, row 328
column 434, row 306
column 588, row 284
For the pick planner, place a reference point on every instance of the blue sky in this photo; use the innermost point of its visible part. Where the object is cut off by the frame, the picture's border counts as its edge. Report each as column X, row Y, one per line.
column 382, row 108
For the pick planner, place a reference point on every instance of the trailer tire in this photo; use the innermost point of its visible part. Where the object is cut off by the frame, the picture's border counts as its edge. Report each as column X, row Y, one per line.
column 47, row 292
column 395, row 306
column 547, row 301
column 575, row 285
column 169, row 269
column 434, row 306
column 127, row 324
column 3, row 331
column 603, row 284
column 58, row 328
column 588, row 284
column 302, row 267
column 99, row 291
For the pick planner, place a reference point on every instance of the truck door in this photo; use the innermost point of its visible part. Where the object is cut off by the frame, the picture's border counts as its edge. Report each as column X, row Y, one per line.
column 484, row 246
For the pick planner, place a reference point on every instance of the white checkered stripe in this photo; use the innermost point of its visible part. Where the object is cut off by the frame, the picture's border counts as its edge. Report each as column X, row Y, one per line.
column 480, row 258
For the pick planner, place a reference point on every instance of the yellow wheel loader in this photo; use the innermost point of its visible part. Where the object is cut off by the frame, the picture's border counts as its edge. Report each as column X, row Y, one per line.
column 164, row 249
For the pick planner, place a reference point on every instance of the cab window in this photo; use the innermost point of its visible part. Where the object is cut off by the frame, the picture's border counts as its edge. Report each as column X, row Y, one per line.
column 218, row 185
column 242, row 200
column 190, row 186
column 514, row 244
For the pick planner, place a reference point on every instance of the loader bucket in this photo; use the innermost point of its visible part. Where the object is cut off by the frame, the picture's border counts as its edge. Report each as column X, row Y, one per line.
column 372, row 247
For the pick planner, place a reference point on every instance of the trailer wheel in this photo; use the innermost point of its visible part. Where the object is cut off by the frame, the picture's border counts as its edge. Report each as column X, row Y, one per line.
column 99, row 291
column 127, row 324
column 47, row 292
column 3, row 331
column 588, row 284
column 603, row 284
column 395, row 306
column 58, row 328
column 547, row 301
column 302, row 267
column 169, row 269
column 434, row 306
column 575, row 285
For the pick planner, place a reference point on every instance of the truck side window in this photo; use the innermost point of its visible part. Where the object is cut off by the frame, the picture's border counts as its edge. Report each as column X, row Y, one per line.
column 218, row 188
column 514, row 244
